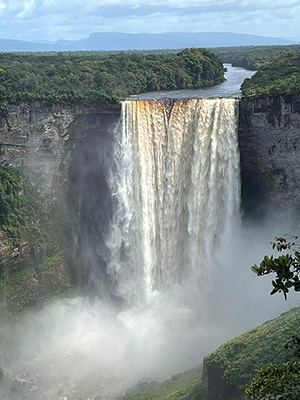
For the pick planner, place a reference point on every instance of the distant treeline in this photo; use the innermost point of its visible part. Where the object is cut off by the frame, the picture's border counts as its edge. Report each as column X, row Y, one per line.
column 281, row 76
column 102, row 77
column 253, row 58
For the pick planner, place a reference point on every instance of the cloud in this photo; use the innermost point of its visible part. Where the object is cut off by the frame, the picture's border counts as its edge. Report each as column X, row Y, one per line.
column 74, row 19
column 28, row 6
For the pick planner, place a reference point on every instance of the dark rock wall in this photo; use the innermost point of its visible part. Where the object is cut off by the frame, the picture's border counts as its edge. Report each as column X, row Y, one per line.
column 269, row 138
column 58, row 145
column 218, row 388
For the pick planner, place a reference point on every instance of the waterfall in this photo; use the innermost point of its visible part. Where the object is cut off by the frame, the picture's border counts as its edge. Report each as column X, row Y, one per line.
column 176, row 192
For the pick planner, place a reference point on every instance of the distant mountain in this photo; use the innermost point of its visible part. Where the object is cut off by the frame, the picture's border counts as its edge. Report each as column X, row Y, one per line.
column 7, row 45
column 144, row 41
column 294, row 39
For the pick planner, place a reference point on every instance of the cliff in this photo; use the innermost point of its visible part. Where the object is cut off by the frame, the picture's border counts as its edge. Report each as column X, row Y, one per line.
column 45, row 139
column 269, row 140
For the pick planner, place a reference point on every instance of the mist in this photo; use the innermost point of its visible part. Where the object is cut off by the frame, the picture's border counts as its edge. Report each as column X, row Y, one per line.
column 154, row 322
column 76, row 348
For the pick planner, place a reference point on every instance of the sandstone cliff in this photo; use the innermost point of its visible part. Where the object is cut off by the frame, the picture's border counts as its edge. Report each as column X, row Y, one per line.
column 44, row 139
column 269, row 139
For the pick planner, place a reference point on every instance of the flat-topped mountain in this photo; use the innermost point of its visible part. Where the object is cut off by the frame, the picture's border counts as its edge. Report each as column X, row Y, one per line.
column 145, row 41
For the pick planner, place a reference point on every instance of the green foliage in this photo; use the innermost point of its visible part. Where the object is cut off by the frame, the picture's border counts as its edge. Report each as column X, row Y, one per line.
column 44, row 231
column 95, row 77
column 25, row 215
column 21, row 289
column 186, row 386
column 253, row 58
column 286, row 267
column 274, row 382
column 281, row 76
column 294, row 345
column 240, row 357
column 19, row 204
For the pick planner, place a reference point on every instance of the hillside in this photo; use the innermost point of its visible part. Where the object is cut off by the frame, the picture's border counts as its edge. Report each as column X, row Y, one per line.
column 234, row 363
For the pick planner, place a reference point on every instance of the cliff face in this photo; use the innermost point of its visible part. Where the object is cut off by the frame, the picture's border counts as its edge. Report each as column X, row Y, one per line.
column 45, row 139
column 269, row 139
column 42, row 136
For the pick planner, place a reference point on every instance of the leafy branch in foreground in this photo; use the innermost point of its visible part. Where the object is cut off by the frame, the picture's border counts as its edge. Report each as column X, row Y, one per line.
column 286, row 266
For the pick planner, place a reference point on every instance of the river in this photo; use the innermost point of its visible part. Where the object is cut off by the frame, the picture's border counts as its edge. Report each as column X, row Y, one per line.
column 229, row 88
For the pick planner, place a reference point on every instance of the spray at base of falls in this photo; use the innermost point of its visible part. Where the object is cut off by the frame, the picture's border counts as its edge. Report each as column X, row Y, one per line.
column 177, row 193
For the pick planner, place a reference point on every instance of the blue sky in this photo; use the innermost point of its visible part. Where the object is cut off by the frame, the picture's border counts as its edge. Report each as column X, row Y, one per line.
column 75, row 19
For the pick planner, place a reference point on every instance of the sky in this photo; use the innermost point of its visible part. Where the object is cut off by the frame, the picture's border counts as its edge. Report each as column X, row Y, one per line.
column 76, row 19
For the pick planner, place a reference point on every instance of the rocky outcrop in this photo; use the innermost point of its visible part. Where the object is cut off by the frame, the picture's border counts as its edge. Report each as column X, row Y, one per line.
column 269, row 139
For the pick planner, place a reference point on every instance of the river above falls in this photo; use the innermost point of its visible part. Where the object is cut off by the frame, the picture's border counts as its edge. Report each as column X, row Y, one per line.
column 230, row 88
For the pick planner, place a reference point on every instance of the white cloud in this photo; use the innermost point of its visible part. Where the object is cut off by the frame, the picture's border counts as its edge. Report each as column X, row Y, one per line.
column 2, row 7
column 28, row 7
column 74, row 19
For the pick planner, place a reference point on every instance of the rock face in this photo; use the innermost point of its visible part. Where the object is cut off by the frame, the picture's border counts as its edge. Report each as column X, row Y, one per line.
column 218, row 388
column 269, row 138
column 46, row 139
column 42, row 136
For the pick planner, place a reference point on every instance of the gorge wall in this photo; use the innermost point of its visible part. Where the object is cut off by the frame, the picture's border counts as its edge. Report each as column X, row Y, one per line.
column 54, row 141
column 269, row 140
column 44, row 138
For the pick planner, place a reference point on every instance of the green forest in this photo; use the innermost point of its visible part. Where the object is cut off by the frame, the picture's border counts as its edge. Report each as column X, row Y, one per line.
column 253, row 58
column 281, row 76
column 102, row 77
